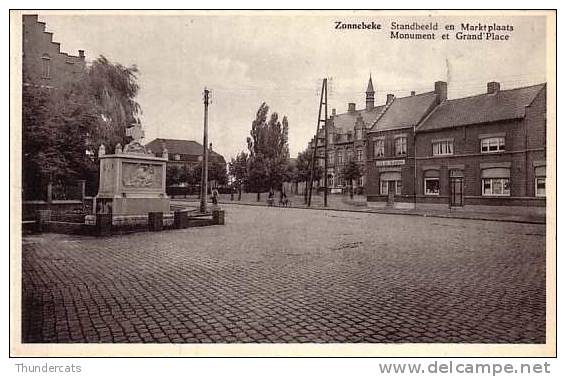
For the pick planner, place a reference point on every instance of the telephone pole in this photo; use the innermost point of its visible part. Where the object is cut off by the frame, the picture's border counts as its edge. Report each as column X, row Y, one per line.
column 323, row 101
column 204, row 175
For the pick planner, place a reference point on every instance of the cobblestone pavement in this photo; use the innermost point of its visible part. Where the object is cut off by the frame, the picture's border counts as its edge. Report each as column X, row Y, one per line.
column 291, row 275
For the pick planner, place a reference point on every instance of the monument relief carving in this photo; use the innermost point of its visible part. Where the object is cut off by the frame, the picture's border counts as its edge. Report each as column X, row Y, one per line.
column 141, row 175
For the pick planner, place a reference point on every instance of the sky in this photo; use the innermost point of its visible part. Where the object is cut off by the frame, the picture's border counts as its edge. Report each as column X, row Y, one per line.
column 246, row 59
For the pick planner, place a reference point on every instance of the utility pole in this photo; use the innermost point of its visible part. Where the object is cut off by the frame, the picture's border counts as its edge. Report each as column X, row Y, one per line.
column 313, row 159
column 204, row 175
column 325, row 144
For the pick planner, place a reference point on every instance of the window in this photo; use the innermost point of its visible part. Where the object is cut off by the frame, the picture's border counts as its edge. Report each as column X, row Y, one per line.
column 360, row 181
column 432, row 186
column 359, row 155
column 492, row 144
column 384, row 187
column 340, row 158
column 330, row 138
column 442, row 147
column 400, row 146
column 45, row 66
column 379, row 148
column 540, row 181
column 177, row 157
column 350, row 155
column 540, row 186
column 358, row 133
column 330, row 158
column 495, row 187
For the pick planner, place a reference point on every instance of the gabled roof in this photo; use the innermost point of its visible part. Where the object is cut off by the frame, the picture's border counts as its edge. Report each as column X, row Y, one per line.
column 346, row 121
column 483, row 108
column 180, row 147
column 405, row 112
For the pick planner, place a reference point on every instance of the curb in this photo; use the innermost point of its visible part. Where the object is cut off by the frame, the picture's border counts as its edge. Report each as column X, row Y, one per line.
column 519, row 221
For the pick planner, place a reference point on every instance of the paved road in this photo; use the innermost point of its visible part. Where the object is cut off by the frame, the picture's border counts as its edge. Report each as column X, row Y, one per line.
column 291, row 275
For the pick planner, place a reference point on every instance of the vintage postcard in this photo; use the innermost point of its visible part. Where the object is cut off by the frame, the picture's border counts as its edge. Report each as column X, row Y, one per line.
column 283, row 183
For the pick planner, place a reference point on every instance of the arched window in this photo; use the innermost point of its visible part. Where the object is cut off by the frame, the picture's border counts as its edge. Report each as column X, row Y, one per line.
column 45, row 66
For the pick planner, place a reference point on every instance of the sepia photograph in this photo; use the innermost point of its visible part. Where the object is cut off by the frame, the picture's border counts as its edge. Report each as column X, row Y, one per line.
column 290, row 183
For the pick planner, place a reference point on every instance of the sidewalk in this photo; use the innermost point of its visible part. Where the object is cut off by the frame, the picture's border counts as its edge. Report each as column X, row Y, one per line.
column 359, row 204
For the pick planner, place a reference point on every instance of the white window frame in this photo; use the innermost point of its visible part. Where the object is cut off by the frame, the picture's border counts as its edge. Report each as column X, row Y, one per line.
column 496, row 141
column 385, row 184
column 536, row 187
column 401, row 146
column 491, row 180
column 432, row 179
column 379, row 148
column 442, row 147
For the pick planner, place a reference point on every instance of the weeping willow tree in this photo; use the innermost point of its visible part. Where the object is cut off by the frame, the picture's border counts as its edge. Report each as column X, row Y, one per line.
column 62, row 128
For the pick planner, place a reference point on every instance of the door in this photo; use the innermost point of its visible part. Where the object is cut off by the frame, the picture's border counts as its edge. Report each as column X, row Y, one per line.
column 456, row 192
column 390, row 192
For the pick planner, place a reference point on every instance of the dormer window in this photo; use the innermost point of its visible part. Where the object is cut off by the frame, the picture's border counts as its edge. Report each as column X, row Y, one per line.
column 177, row 157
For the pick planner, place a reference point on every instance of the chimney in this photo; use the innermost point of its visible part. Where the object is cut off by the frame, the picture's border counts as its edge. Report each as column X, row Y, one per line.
column 333, row 112
column 351, row 107
column 82, row 54
column 210, row 147
column 493, row 87
column 441, row 89
column 412, row 93
column 390, row 98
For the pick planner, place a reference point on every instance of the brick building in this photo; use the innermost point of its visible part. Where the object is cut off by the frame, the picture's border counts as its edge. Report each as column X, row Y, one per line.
column 391, row 147
column 183, row 152
column 43, row 63
column 484, row 150
column 347, row 140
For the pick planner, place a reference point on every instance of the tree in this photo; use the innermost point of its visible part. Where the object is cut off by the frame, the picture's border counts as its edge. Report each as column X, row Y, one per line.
column 239, row 172
column 62, row 128
column 350, row 172
column 217, row 172
column 304, row 160
column 268, row 151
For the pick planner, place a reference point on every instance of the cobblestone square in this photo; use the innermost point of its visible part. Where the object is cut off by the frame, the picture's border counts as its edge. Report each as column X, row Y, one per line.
column 278, row 275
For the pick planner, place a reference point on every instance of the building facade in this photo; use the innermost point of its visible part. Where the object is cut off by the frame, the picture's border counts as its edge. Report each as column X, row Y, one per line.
column 183, row 152
column 347, row 141
column 486, row 151
column 43, row 63
column 391, row 147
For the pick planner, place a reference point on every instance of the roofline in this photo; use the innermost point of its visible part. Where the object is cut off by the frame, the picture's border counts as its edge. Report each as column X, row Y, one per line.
column 418, row 130
column 506, row 90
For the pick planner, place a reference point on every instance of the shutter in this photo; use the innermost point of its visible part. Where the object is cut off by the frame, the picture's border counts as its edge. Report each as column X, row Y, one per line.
column 431, row 173
column 390, row 176
column 495, row 173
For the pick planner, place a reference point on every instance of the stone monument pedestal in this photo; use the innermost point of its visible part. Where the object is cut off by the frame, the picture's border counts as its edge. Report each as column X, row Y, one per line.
column 132, row 182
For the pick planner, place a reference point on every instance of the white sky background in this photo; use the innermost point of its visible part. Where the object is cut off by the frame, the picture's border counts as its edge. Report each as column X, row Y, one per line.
column 281, row 60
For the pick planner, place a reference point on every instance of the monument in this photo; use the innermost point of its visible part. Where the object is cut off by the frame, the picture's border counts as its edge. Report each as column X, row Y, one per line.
column 132, row 180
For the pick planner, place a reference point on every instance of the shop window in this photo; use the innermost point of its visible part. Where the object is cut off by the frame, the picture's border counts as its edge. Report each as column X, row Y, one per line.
column 495, row 187
column 432, row 186
column 401, row 146
column 540, row 181
column 441, row 148
column 541, row 186
column 384, row 187
column 492, row 144
column 379, row 148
